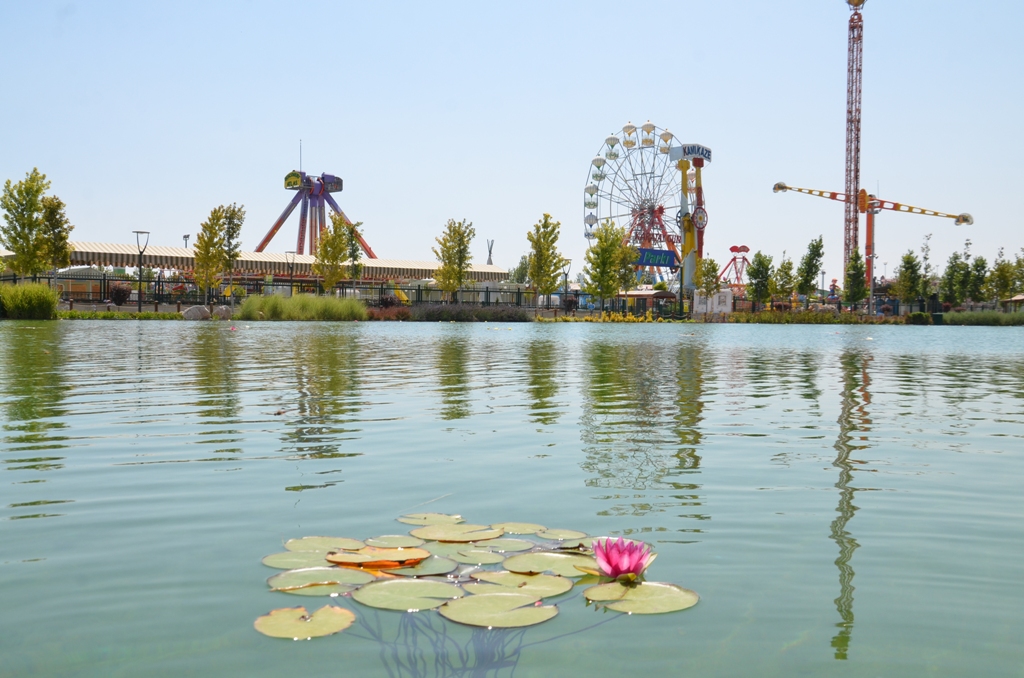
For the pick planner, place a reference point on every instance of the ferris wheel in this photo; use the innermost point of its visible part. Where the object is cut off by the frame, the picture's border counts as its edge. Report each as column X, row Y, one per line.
column 635, row 180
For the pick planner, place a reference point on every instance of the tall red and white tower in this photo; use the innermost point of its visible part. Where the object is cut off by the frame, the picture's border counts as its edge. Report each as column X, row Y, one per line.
column 854, row 68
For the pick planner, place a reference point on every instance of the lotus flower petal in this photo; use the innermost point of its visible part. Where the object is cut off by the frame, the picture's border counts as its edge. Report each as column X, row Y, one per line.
column 621, row 558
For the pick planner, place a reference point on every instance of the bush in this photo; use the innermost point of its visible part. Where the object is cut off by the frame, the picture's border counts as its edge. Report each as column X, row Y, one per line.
column 388, row 301
column 886, row 309
column 390, row 313
column 947, row 307
column 469, row 313
column 808, row 318
column 29, row 301
column 301, row 307
column 990, row 318
column 119, row 293
column 919, row 318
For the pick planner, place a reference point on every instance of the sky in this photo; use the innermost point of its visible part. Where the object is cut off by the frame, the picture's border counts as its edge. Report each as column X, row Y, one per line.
column 148, row 115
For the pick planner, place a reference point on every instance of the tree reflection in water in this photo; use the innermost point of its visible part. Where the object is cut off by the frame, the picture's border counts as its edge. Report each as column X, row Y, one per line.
column 543, row 358
column 452, row 359
column 329, row 395
column 853, row 419
column 642, row 406
column 34, row 387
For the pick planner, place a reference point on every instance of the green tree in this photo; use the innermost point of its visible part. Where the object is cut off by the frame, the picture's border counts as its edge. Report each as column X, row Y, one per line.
column 609, row 262
column 234, row 217
column 784, row 281
column 209, row 251
column 1000, row 283
column 546, row 263
column 453, row 252
column 22, row 231
column 956, row 279
column 856, row 285
column 907, row 287
column 759, row 275
column 331, row 253
column 810, row 267
column 56, row 232
column 706, row 279
column 353, row 249
column 928, row 281
column 976, row 290
column 521, row 273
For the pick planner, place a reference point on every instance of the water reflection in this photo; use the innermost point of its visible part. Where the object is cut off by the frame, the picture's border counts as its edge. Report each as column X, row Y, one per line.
column 642, row 406
column 34, row 389
column 542, row 359
column 451, row 364
column 214, row 358
column 854, row 419
column 329, row 396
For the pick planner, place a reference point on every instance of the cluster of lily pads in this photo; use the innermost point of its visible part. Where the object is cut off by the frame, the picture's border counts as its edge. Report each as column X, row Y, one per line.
column 493, row 576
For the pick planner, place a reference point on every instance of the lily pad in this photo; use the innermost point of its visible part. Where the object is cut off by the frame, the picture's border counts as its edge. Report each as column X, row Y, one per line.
column 406, row 594
column 458, row 533
column 290, row 560
column 576, row 545
column 561, row 534
column 394, row 541
column 477, row 557
column 431, row 566
column 446, row 549
column 498, row 610
column 540, row 585
column 324, row 544
column 564, row 564
column 373, row 558
column 297, row 624
column 645, row 598
column 519, row 528
column 502, row 545
column 430, row 519
column 319, row 581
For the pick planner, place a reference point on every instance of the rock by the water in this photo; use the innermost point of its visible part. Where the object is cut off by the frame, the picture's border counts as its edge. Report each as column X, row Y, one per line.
column 222, row 313
column 196, row 313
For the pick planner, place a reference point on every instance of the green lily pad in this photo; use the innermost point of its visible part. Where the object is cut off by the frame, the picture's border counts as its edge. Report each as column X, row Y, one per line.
column 406, row 594
column 324, row 544
column 519, row 528
column 291, row 560
column 576, row 545
column 561, row 534
column 430, row 519
column 477, row 557
column 446, row 549
column 502, row 545
column 319, row 581
column 645, row 598
column 297, row 624
column 394, row 541
column 545, row 561
column 498, row 610
column 540, row 585
column 459, row 533
column 428, row 567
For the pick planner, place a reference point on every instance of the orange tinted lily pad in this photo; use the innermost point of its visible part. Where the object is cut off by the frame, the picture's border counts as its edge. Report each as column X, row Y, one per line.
column 375, row 558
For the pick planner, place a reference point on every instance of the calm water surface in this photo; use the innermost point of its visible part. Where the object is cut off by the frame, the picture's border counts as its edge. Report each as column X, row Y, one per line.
column 846, row 500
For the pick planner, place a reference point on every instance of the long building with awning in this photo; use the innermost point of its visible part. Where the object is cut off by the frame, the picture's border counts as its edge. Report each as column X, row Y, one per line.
column 259, row 263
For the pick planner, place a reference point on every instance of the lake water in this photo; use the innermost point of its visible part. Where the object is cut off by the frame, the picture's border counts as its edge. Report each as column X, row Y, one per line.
column 846, row 500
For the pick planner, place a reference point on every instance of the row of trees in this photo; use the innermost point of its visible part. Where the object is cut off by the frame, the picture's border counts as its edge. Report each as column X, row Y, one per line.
column 36, row 228
column 767, row 281
column 966, row 278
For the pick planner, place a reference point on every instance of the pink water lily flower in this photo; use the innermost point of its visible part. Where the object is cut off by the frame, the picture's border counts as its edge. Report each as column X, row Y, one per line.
column 619, row 558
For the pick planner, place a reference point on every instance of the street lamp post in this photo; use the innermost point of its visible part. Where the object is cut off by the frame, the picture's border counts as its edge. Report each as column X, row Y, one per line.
column 142, row 248
column 290, row 256
column 185, row 238
column 565, row 286
column 822, row 285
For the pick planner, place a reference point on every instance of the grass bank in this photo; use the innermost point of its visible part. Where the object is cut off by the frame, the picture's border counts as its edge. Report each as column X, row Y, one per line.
column 986, row 318
column 28, row 301
column 469, row 313
column 116, row 315
column 811, row 318
column 606, row 317
column 301, row 307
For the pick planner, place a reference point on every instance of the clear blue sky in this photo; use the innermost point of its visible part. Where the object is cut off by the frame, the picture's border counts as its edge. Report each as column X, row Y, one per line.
column 147, row 115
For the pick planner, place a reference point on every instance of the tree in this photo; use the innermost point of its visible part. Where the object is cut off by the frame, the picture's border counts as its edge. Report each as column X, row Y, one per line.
column 353, row 249
column 331, row 253
column 928, row 281
column 209, row 251
column 810, row 267
column 784, row 281
column 956, row 279
column 979, row 272
column 609, row 263
column 856, row 286
column 454, row 255
column 521, row 273
column 234, row 217
column 999, row 282
column 546, row 263
column 908, row 278
column 759, row 275
column 55, row 234
column 22, row 231
column 706, row 279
